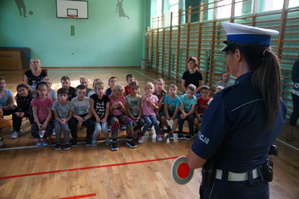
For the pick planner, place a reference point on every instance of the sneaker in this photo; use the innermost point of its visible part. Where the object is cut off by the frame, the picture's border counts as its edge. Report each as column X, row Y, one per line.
column 67, row 147
column 38, row 142
column 53, row 132
column 114, row 146
column 171, row 136
column 123, row 127
column 88, row 142
column 57, row 147
column 107, row 141
column 74, row 143
column 15, row 135
column 140, row 139
column 189, row 136
column 45, row 142
column 180, row 136
column 131, row 143
column 159, row 138
column 94, row 143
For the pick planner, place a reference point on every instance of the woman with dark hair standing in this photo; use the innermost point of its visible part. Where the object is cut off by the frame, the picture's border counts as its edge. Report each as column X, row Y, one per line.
column 295, row 97
column 192, row 76
column 243, row 121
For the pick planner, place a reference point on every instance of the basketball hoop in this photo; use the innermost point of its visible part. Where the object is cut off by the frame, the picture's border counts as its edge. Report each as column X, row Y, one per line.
column 72, row 16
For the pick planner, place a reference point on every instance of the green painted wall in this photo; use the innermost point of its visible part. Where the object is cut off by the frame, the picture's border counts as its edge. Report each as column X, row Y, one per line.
column 103, row 40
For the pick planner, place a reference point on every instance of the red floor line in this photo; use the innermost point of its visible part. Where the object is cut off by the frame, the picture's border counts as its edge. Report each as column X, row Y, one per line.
column 85, row 168
column 80, row 196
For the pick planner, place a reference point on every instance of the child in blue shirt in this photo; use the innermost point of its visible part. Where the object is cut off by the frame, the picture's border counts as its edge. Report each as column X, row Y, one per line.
column 188, row 103
column 172, row 104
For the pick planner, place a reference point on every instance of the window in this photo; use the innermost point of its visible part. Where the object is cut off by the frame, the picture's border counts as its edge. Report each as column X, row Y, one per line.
column 226, row 5
column 163, row 8
column 174, row 8
column 293, row 3
column 270, row 5
column 156, row 11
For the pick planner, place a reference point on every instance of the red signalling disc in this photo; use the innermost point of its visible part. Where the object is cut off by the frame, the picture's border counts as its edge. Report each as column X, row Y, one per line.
column 180, row 170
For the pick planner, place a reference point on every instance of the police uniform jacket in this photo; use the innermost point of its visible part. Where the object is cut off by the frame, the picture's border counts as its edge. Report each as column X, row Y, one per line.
column 233, row 132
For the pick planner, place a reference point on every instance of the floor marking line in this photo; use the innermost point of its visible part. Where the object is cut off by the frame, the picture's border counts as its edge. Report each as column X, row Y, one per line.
column 86, row 168
column 145, row 75
column 152, row 79
column 80, row 196
column 293, row 147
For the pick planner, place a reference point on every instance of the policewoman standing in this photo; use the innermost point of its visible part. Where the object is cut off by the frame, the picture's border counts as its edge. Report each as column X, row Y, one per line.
column 243, row 120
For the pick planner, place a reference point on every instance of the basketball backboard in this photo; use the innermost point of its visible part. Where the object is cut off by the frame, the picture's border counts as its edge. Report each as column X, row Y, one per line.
column 65, row 8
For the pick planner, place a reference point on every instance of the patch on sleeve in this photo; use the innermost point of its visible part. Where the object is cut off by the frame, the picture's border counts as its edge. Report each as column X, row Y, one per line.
column 203, row 138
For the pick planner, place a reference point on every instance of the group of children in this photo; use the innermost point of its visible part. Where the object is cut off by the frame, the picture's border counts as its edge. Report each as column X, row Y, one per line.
column 98, row 109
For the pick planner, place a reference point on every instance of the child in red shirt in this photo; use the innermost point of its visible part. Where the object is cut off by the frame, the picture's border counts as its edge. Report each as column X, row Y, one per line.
column 202, row 105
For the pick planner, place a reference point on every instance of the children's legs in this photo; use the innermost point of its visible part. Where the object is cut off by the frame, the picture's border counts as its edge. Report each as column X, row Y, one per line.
column 66, row 133
column 114, row 127
column 90, row 124
column 16, row 122
column 34, row 130
column 175, row 124
column 129, row 124
column 97, row 131
column 8, row 112
column 163, row 121
column 57, row 131
column 48, row 130
column 30, row 117
column 104, row 126
column 190, row 119
column 148, row 124
column 196, row 122
column 155, row 123
column 73, row 127
column 140, row 124
column 181, row 124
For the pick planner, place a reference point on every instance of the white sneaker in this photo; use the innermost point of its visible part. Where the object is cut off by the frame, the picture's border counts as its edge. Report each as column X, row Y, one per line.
column 15, row 135
column 53, row 132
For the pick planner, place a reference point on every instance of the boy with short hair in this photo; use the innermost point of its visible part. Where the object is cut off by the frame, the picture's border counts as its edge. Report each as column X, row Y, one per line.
column 63, row 112
column 133, row 107
column 111, row 82
column 188, row 103
column 130, row 78
column 84, row 81
column 202, row 105
column 66, row 83
column 82, row 116
column 171, row 107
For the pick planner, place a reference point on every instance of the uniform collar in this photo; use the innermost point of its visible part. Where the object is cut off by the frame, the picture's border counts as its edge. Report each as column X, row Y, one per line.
column 242, row 78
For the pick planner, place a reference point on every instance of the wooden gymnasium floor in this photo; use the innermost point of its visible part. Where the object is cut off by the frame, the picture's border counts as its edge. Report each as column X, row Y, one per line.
column 97, row 172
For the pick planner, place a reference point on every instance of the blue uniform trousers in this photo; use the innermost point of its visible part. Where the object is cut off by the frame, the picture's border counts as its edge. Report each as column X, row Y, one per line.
column 257, row 189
